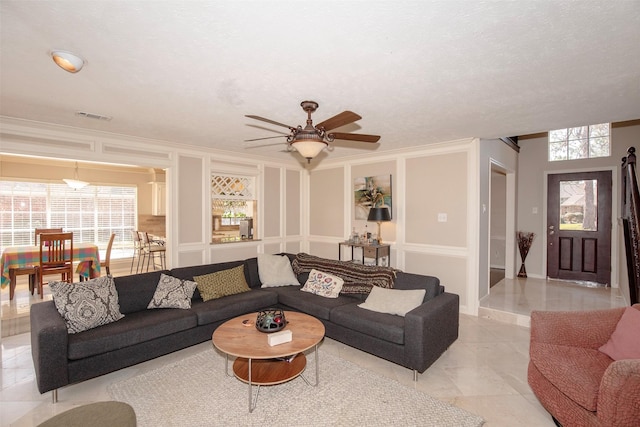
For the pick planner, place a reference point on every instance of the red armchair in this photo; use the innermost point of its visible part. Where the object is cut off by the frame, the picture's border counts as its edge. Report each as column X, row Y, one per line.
column 575, row 382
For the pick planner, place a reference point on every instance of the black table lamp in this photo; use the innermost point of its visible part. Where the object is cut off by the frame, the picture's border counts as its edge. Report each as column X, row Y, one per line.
column 379, row 215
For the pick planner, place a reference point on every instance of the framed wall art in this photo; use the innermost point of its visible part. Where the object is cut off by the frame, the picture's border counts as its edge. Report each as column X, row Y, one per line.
column 369, row 192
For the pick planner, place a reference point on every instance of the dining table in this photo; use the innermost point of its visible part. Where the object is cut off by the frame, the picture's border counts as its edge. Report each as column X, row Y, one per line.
column 86, row 254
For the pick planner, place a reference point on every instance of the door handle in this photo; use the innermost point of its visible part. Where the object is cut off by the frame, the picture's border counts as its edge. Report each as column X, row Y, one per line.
column 552, row 227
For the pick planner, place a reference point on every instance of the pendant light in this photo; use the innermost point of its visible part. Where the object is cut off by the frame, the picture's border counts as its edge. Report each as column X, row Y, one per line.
column 75, row 183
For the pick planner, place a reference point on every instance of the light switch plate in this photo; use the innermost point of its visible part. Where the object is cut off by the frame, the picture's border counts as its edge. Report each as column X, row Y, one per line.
column 442, row 217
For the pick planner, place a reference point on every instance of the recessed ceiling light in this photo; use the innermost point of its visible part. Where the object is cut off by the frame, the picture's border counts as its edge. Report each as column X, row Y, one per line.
column 67, row 61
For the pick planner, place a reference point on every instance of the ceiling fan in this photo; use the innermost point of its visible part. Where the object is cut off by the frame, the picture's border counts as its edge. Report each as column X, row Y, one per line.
column 311, row 140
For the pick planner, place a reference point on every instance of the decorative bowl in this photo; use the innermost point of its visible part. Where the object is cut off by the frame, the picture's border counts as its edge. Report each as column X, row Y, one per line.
column 271, row 320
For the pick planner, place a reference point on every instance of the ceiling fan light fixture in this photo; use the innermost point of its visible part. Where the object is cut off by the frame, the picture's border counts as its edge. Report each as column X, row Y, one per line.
column 67, row 61
column 309, row 148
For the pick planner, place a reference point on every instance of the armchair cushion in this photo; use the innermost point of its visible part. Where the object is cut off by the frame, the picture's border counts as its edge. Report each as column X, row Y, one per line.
column 575, row 371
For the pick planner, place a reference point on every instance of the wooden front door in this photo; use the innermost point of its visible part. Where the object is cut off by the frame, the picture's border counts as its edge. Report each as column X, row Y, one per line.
column 579, row 226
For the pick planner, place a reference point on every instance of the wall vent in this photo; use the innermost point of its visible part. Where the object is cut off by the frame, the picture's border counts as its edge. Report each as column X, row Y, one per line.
column 93, row 116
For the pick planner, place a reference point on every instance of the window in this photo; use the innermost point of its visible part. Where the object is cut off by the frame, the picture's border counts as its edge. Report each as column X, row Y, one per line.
column 582, row 142
column 91, row 213
column 234, row 207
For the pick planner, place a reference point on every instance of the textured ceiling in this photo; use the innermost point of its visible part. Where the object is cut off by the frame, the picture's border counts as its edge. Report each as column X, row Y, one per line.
column 418, row 72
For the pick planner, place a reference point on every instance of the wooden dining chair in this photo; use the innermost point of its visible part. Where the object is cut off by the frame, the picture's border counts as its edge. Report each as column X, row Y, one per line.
column 39, row 231
column 31, row 270
column 107, row 256
column 56, row 257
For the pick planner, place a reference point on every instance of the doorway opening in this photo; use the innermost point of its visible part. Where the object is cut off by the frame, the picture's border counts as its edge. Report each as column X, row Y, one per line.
column 498, row 227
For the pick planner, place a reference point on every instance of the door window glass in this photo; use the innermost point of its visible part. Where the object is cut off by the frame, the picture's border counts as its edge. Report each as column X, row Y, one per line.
column 579, row 205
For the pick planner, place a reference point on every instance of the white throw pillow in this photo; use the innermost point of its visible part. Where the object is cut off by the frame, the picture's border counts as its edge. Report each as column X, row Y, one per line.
column 393, row 301
column 275, row 270
column 323, row 284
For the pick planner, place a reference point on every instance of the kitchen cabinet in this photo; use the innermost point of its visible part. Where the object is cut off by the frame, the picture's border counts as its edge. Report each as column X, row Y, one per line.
column 158, row 198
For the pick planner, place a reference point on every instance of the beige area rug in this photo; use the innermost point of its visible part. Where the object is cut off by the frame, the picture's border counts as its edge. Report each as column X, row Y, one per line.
column 196, row 392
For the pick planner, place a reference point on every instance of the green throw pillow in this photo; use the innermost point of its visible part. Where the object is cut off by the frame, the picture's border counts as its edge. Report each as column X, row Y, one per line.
column 222, row 283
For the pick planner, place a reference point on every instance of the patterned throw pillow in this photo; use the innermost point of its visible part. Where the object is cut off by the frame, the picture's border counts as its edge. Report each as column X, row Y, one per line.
column 222, row 283
column 172, row 292
column 85, row 305
column 323, row 284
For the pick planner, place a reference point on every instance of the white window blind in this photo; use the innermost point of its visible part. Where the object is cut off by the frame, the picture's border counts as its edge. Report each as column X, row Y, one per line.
column 91, row 213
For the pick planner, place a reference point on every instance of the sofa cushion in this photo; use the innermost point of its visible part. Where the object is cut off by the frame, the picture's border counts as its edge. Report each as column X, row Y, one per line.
column 135, row 291
column 86, row 305
column 575, row 371
column 233, row 305
column 251, row 271
column 380, row 325
column 323, row 284
column 313, row 305
column 393, row 301
column 133, row 329
column 275, row 270
column 430, row 284
column 624, row 343
column 222, row 283
column 172, row 293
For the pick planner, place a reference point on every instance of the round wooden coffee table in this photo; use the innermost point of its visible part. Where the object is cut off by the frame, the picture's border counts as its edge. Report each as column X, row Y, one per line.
column 257, row 363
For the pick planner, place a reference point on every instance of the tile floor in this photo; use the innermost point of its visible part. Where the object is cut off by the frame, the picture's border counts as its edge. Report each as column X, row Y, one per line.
column 484, row 371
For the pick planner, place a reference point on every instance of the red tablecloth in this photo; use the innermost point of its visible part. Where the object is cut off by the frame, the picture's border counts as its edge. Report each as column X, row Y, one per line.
column 22, row 256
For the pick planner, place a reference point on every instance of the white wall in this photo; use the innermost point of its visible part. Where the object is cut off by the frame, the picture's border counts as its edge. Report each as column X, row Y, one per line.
column 426, row 181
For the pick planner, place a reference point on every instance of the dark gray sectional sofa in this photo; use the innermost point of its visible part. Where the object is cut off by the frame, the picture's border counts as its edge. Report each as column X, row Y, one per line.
column 414, row 341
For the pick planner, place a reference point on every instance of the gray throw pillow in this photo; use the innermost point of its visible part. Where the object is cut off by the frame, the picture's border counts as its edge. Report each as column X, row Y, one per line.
column 172, row 292
column 85, row 305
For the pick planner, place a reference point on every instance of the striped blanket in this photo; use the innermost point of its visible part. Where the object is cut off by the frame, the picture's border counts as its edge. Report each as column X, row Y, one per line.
column 358, row 278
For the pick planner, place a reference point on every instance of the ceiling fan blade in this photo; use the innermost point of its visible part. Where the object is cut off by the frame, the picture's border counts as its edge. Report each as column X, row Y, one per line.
column 247, row 146
column 356, row 137
column 270, row 121
column 267, row 137
column 341, row 119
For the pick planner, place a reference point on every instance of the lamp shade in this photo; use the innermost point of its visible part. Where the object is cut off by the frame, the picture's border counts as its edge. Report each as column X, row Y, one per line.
column 309, row 148
column 379, row 214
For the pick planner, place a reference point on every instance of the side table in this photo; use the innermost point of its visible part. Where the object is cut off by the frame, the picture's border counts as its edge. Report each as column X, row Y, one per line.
column 368, row 251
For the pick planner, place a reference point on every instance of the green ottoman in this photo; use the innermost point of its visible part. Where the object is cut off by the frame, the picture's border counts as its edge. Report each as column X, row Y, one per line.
column 99, row 414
